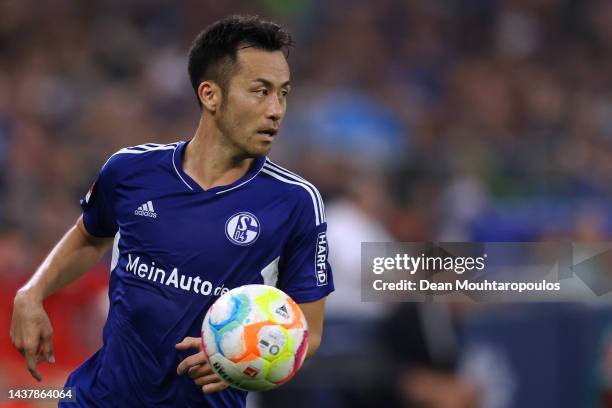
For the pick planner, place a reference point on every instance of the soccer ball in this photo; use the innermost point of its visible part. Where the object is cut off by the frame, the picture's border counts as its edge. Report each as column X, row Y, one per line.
column 255, row 337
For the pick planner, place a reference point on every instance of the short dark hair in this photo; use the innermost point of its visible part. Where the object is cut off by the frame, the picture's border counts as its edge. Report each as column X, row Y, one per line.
column 214, row 51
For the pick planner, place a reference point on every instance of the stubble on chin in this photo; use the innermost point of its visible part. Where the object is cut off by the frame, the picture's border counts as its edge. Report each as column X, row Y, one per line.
column 251, row 149
column 258, row 151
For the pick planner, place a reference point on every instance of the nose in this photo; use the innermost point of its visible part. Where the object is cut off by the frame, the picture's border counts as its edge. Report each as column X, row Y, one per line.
column 275, row 108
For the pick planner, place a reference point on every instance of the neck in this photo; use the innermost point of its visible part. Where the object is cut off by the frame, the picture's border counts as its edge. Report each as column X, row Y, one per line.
column 210, row 161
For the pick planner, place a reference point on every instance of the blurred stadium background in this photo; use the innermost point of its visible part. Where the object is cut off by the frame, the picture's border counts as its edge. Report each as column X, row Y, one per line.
column 418, row 120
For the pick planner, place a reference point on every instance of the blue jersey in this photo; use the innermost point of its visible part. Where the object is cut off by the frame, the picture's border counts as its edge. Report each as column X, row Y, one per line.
column 177, row 248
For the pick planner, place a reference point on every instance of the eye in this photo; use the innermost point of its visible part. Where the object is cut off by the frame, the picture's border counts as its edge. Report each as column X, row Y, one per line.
column 261, row 92
column 284, row 92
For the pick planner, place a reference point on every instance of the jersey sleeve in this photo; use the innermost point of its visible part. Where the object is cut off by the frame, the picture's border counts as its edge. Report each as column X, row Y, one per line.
column 98, row 212
column 305, row 273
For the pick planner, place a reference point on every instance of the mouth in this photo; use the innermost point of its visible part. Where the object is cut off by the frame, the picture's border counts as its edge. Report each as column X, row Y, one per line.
column 270, row 132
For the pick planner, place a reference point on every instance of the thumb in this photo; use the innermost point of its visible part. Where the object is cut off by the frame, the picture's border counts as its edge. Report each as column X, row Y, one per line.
column 188, row 342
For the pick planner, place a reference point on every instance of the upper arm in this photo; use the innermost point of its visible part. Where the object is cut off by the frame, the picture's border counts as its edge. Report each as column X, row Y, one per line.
column 305, row 273
column 98, row 205
column 102, row 243
column 314, row 313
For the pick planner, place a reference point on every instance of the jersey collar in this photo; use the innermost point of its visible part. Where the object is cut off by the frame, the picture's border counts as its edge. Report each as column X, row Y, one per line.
column 177, row 161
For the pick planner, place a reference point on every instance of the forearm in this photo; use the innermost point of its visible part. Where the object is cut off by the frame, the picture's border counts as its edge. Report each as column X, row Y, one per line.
column 71, row 257
column 313, row 346
column 313, row 311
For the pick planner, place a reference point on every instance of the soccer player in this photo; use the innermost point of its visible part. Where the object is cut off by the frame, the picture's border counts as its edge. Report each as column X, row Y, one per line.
column 188, row 221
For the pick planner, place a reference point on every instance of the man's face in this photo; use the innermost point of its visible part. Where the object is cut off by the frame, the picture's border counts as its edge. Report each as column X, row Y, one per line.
column 255, row 102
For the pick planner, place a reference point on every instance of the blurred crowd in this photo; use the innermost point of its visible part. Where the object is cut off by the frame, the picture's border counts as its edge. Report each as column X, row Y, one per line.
column 439, row 120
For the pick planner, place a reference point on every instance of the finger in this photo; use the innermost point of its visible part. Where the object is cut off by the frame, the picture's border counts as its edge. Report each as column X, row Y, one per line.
column 31, row 364
column 195, row 359
column 191, row 361
column 189, row 342
column 18, row 343
column 214, row 387
column 47, row 349
column 199, row 370
column 207, row 379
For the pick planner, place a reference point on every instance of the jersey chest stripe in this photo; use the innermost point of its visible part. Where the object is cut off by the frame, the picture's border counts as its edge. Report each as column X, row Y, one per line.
column 275, row 167
column 277, row 176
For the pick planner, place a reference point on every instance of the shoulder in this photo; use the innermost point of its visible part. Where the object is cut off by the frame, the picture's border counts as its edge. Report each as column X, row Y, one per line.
column 135, row 160
column 301, row 191
column 144, row 154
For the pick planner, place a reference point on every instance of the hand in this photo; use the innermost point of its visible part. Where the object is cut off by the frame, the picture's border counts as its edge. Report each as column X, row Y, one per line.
column 31, row 332
column 198, row 368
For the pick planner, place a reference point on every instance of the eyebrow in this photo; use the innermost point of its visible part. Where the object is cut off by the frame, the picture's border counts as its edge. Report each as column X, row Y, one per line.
column 270, row 84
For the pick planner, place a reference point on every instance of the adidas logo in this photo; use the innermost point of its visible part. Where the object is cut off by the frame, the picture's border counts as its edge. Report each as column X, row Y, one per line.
column 283, row 311
column 146, row 210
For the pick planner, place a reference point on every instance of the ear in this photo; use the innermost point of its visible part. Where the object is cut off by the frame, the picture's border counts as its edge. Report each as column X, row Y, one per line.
column 210, row 95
